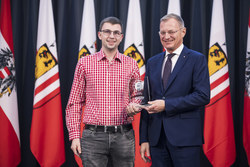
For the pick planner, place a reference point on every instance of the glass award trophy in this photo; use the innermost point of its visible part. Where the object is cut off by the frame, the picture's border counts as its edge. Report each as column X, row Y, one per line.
column 139, row 87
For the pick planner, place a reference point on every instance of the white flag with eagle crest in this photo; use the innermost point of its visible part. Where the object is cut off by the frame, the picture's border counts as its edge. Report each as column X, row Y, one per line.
column 10, row 154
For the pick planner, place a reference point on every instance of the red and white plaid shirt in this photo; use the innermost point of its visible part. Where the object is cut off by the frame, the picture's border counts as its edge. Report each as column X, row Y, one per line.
column 106, row 88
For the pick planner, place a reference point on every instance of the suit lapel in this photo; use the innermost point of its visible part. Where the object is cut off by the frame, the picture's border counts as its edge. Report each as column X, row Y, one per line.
column 180, row 62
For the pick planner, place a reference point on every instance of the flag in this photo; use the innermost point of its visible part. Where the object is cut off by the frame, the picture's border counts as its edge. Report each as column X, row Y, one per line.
column 174, row 7
column 88, row 30
column 133, row 44
column 219, row 146
column 10, row 154
column 134, row 47
column 46, row 134
column 87, row 42
column 246, row 115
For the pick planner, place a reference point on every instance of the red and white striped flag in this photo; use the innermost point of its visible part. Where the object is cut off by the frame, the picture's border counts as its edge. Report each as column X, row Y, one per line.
column 10, row 154
column 246, row 115
column 46, row 136
column 4, row 73
column 219, row 144
column 87, row 42
column 134, row 47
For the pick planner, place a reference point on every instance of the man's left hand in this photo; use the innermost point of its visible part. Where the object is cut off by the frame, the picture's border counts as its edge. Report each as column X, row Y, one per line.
column 156, row 106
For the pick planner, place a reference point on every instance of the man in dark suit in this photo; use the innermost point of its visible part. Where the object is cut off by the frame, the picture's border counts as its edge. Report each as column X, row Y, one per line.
column 177, row 89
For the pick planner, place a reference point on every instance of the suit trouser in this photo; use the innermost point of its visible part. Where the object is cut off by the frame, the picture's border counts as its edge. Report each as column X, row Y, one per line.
column 164, row 154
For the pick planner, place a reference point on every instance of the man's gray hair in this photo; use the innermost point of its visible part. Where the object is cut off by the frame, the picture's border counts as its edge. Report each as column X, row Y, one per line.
column 173, row 16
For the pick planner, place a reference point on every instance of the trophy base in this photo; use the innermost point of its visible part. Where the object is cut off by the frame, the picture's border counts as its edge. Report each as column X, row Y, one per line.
column 145, row 105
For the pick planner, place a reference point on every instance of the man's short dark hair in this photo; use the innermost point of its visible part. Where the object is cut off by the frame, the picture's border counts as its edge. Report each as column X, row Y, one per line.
column 112, row 20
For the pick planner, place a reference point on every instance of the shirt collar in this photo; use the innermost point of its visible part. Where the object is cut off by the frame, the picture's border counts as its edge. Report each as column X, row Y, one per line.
column 101, row 56
column 177, row 51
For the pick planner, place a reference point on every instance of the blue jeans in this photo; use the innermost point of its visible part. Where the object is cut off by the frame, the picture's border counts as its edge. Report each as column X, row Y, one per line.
column 99, row 147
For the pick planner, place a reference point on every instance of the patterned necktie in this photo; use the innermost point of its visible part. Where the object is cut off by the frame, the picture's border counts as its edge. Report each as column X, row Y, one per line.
column 167, row 70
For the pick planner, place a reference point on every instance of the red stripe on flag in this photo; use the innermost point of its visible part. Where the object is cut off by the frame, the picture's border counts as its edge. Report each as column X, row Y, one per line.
column 47, row 98
column 78, row 159
column 10, row 154
column 246, row 115
column 219, row 96
column 6, row 28
column 138, row 160
column 249, row 20
column 5, row 72
column 6, row 69
column 47, row 83
column 46, row 136
column 219, row 81
column 142, row 76
column 1, row 75
column 219, row 133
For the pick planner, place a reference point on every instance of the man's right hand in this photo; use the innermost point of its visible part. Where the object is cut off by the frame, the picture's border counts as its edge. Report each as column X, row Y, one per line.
column 76, row 147
column 133, row 108
column 145, row 149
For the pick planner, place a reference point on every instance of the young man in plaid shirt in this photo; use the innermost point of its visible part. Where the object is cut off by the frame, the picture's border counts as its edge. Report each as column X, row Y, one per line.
column 106, row 83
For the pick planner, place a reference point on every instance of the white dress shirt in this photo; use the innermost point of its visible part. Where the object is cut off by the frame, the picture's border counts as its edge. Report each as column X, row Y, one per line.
column 174, row 59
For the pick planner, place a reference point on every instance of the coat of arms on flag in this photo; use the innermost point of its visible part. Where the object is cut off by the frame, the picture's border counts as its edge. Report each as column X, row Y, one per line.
column 7, row 72
column 134, row 53
column 216, row 58
column 44, row 61
column 83, row 52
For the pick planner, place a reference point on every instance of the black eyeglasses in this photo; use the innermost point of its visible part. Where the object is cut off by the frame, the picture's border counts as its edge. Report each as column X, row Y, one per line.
column 108, row 33
column 163, row 33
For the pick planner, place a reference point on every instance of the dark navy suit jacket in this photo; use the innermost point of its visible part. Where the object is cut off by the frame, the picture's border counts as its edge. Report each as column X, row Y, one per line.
column 187, row 92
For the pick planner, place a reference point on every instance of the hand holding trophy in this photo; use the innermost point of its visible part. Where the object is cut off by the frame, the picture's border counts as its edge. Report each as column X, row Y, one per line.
column 139, row 87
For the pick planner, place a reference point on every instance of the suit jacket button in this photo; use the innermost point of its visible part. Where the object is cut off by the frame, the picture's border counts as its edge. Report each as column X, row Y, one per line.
column 163, row 98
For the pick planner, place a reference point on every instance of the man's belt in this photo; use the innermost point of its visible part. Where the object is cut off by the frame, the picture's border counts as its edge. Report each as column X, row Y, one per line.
column 110, row 129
